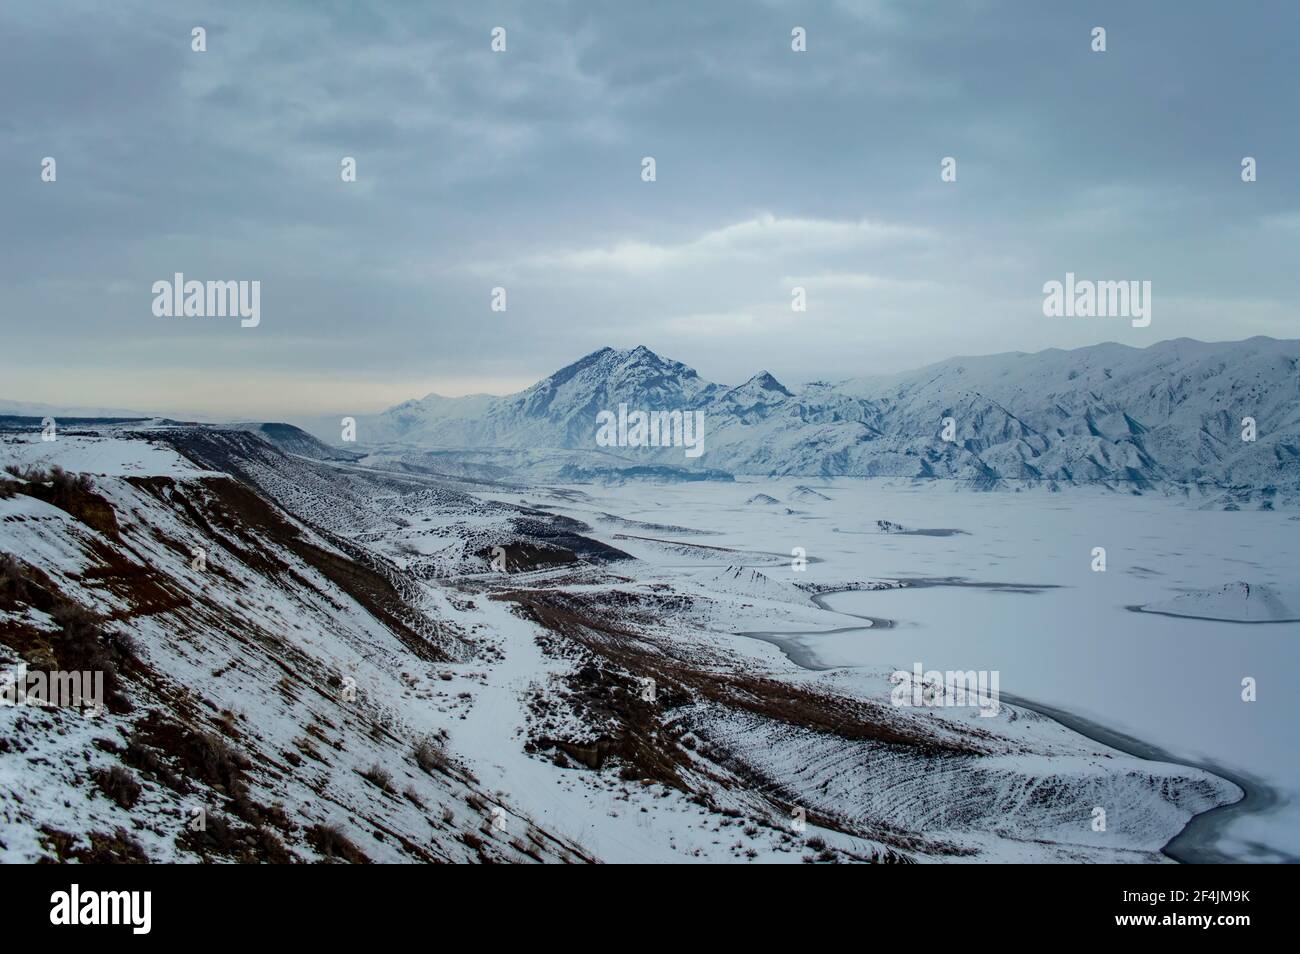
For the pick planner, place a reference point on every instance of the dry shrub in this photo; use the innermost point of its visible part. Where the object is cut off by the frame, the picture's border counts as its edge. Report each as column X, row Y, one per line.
column 119, row 785
column 331, row 842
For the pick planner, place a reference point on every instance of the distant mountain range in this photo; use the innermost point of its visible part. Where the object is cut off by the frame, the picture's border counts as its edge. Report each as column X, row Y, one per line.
column 1168, row 415
column 10, row 408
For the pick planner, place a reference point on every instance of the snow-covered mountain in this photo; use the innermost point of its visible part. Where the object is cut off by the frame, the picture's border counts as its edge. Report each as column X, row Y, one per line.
column 557, row 412
column 1172, row 415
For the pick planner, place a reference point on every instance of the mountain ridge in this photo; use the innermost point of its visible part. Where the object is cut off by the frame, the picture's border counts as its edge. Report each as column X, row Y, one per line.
column 1173, row 413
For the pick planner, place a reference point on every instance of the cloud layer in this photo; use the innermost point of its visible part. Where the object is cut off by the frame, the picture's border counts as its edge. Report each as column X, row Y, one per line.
column 523, row 170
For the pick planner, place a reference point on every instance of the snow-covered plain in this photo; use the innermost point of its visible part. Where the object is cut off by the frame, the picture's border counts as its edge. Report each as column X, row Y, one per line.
column 1075, row 644
column 88, row 453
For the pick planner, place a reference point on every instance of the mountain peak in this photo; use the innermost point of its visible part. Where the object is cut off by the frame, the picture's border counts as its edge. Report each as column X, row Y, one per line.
column 767, row 382
column 762, row 389
column 641, row 355
column 612, row 357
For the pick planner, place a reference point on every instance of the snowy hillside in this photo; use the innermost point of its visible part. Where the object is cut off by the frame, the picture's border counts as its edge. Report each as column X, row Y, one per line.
column 325, row 661
column 295, row 696
column 1170, row 416
column 293, row 440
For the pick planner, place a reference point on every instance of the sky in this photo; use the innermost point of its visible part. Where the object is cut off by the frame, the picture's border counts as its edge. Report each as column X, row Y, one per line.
column 522, row 170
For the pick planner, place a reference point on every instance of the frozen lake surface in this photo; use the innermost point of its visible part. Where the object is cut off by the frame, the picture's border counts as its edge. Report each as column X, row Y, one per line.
column 1175, row 683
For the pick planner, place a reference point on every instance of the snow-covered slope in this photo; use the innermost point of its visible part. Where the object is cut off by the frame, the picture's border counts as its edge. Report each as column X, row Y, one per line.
column 749, row 583
column 323, row 660
column 1171, row 415
column 1170, row 412
column 294, row 440
column 286, row 683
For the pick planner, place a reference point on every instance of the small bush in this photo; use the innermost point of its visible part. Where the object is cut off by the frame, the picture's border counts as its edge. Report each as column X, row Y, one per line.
column 66, row 483
column 379, row 778
column 213, row 760
column 428, row 754
column 118, row 848
column 331, row 842
column 221, row 836
column 82, row 644
column 33, row 475
column 119, row 785
column 13, row 582
column 472, row 840
column 147, row 761
column 228, row 723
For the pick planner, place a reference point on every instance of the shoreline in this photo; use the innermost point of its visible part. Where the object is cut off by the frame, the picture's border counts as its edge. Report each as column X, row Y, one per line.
column 1210, row 619
column 1195, row 841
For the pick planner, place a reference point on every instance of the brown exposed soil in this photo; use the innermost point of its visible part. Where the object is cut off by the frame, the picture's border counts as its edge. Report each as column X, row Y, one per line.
column 85, row 505
column 521, row 557
column 571, row 616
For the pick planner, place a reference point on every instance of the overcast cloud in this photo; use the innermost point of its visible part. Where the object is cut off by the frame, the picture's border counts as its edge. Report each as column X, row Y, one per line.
column 522, row 170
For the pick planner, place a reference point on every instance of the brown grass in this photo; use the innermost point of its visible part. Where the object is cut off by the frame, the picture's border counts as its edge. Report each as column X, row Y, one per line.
column 119, row 785
column 117, row 848
column 334, row 844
